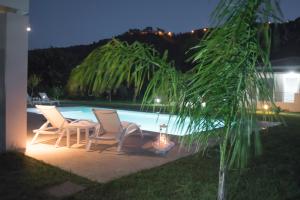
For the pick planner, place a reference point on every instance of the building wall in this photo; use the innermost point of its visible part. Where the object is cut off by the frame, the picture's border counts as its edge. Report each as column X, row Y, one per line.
column 286, row 91
column 287, row 84
column 13, row 61
column 2, row 82
column 291, row 107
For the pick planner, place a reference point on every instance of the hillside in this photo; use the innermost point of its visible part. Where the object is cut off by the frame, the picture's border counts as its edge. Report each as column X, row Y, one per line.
column 54, row 65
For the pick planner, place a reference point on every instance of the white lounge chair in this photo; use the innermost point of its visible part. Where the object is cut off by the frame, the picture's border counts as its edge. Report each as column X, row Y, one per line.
column 46, row 100
column 56, row 124
column 33, row 100
column 111, row 128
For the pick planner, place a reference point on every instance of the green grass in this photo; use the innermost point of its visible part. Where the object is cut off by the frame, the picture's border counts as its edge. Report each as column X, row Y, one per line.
column 22, row 177
column 273, row 176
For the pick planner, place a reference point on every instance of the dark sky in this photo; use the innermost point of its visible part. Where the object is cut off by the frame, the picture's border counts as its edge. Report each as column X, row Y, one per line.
column 70, row 22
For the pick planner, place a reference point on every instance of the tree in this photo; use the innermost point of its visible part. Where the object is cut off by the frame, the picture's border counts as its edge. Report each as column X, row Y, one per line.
column 57, row 92
column 222, row 88
column 227, row 78
column 33, row 82
column 109, row 66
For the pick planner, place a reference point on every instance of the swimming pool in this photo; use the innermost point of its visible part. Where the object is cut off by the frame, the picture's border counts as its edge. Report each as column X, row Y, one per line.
column 147, row 121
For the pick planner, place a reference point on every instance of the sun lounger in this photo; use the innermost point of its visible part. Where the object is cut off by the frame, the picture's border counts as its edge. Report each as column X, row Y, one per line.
column 111, row 128
column 46, row 100
column 56, row 124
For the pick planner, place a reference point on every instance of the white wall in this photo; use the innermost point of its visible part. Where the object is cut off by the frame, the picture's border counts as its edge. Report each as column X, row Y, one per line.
column 2, row 82
column 287, row 91
column 287, row 84
column 14, row 56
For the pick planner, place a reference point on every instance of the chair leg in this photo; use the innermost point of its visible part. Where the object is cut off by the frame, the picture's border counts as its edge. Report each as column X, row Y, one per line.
column 59, row 139
column 120, row 144
column 88, row 145
column 142, row 134
column 34, row 138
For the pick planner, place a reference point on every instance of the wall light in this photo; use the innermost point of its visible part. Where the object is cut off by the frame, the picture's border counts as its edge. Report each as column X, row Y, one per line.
column 28, row 29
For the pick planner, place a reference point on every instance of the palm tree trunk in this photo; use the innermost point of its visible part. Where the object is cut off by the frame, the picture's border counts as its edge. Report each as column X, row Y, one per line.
column 222, row 181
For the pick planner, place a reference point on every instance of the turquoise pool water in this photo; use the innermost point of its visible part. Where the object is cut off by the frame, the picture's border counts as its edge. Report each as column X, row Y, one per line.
column 147, row 121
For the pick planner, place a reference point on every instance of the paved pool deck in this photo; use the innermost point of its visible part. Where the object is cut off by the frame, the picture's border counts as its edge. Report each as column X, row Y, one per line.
column 103, row 163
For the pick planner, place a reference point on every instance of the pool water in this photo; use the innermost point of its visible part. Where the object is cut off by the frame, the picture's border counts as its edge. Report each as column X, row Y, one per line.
column 148, row 121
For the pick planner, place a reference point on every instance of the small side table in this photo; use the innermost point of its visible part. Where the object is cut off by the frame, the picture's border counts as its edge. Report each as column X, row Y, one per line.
column 80, row 125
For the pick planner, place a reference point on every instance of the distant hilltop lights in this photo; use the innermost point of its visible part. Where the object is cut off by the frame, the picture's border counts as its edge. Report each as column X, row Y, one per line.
column 161, row 32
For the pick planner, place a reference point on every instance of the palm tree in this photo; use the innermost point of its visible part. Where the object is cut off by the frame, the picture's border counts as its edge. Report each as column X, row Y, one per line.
column 33, row 82
column 221, row 90
column 116, row 63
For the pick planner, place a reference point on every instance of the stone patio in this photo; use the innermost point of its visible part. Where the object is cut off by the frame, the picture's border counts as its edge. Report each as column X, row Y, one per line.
column 103, row 163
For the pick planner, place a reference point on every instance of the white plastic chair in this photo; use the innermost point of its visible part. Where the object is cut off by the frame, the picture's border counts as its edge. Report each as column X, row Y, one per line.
column 46, row 100
column 33, row 100
column 111, row 128
column 56, row 124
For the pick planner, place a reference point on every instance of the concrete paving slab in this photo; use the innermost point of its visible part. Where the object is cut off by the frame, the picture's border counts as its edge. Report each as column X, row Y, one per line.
column 64, row 189
column 103, row 163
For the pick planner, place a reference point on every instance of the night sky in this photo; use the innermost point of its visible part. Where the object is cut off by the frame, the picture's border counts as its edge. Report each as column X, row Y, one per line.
column 61, row 23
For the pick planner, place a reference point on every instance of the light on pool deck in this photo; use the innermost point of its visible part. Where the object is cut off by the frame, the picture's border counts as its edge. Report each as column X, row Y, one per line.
column 266, row 107
column 28, row 29
column 157, row 100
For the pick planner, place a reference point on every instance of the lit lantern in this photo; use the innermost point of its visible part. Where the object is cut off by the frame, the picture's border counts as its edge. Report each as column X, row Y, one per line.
column 163, row 144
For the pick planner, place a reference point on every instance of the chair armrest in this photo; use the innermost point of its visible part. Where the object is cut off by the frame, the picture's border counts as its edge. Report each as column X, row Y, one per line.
column 45, row 125
column 132, row 127
column 79, row 120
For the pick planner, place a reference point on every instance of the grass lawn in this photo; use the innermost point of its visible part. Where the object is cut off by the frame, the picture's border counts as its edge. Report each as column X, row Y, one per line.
column 273, row 176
